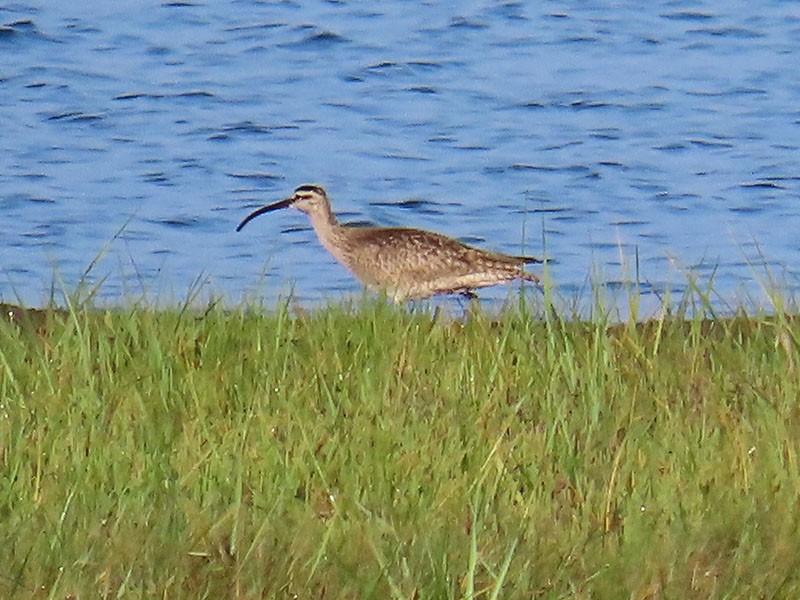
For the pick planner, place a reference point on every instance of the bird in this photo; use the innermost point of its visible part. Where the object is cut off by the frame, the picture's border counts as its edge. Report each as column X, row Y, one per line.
column 404, row 263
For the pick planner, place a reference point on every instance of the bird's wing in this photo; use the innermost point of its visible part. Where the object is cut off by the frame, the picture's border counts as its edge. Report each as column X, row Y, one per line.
column 414, row 252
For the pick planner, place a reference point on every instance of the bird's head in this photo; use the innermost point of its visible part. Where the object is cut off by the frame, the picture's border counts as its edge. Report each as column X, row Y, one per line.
column 307, row 198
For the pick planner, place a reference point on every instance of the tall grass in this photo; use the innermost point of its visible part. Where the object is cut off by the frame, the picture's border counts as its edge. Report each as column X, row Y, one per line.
column 371, row 451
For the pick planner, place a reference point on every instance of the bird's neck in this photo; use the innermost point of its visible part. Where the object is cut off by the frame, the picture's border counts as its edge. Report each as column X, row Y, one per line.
column 328, row 230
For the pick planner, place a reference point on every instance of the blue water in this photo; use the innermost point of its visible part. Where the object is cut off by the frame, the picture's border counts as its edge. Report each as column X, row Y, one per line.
column 656, row 141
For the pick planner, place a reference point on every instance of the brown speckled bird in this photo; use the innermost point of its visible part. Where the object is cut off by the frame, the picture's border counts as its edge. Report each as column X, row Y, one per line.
column 407, row 264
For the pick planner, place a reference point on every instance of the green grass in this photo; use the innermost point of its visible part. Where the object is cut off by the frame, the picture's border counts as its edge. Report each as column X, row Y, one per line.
column 378, row 452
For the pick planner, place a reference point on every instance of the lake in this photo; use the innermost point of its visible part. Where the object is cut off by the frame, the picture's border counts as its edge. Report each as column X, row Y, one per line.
column 631, row 142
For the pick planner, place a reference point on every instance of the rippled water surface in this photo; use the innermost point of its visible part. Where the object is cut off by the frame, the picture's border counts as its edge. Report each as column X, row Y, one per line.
column 651, row 140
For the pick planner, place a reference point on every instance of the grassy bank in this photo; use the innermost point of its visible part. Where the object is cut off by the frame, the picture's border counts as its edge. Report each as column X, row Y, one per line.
column 374, row 452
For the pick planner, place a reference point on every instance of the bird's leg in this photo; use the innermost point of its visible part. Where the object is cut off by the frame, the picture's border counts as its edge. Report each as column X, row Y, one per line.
column 474, row 302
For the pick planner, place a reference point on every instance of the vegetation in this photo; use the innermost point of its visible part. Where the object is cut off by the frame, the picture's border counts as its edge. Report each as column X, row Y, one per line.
column 374, row 451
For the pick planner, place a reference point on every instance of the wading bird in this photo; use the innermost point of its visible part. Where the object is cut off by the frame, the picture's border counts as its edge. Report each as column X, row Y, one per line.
column 407, row 264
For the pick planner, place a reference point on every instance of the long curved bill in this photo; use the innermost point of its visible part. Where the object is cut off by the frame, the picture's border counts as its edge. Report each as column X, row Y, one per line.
column 264, row 210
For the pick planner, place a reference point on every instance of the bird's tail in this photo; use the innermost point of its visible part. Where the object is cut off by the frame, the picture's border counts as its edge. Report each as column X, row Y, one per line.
column 531, row 277
column 529, row 260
